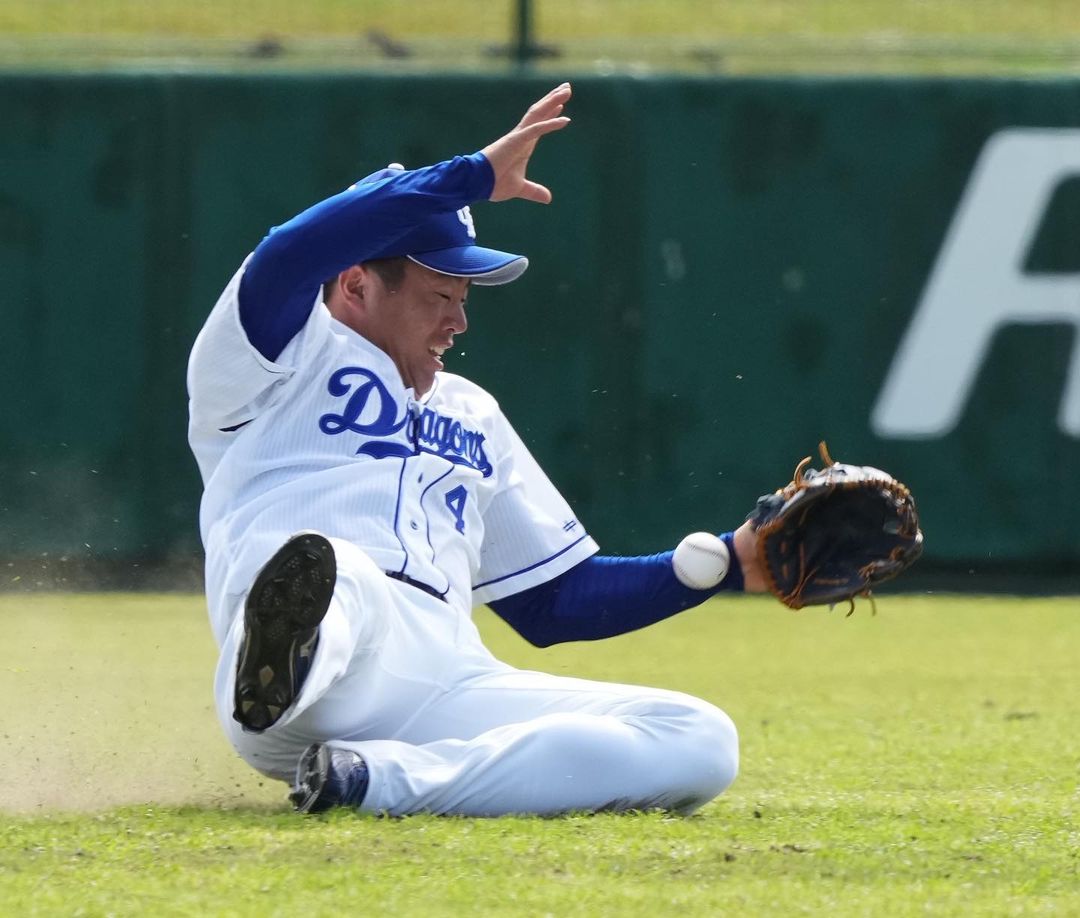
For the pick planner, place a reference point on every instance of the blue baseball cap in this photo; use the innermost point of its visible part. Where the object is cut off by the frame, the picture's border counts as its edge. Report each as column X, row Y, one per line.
column 446, row 243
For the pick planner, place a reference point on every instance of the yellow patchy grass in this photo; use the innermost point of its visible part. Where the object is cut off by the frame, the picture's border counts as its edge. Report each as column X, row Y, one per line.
column 554, row 19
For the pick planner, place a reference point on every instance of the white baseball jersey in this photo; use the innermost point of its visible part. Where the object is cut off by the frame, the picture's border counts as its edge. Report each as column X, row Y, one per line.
column 439, row 489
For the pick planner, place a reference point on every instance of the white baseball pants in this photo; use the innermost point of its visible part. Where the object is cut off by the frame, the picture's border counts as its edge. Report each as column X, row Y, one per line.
column 403, row 679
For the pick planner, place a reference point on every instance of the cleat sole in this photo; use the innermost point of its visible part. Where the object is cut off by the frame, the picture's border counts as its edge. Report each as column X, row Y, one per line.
column 286, row 604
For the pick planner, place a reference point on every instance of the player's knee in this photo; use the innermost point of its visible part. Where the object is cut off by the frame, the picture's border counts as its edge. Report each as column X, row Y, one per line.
column 708, row 751
column 720, row 745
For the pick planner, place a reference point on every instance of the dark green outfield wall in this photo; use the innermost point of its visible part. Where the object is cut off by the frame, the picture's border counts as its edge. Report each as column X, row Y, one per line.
column 725, row 277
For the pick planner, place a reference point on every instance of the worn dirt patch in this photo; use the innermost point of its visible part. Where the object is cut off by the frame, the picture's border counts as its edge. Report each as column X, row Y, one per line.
column 108, row 701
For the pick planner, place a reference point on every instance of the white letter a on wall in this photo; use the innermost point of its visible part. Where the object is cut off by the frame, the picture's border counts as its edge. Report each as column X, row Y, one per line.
column 977, row 286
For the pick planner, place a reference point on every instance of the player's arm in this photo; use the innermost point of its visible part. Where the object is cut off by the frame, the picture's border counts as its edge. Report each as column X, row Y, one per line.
column 604, row 596
column 283, row 277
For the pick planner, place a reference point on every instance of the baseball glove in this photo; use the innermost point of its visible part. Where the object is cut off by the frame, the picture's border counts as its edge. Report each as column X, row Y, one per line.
column 832, row 535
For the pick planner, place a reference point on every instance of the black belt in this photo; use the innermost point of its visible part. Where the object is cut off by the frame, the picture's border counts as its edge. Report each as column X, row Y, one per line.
column 405, row 578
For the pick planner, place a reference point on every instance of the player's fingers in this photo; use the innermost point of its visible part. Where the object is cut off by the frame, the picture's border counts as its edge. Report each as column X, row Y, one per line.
column 533, row 132
column 509, row 157
column 557, row 96
column 514, row 149
column 533, row 191
column 523, row 188
column 547, row 107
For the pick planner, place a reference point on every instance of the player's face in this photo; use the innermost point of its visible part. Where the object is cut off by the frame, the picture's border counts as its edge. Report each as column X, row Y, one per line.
column 415, row 323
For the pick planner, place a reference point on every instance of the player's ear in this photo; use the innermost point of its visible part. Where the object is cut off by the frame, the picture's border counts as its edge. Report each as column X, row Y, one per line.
column 349, row 287
column 344, row 294
column 353, row 282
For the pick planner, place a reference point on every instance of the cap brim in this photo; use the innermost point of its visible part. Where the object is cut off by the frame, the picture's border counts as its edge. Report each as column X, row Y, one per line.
column 486, row 267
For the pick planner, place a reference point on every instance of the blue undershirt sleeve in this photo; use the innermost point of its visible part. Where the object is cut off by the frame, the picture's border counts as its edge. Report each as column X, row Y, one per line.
column 283, row 277
column 605, row 596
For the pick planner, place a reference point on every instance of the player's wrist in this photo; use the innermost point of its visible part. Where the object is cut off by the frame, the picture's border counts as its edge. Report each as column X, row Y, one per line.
column 744, row 543
column 483, row 183
column 735, row 581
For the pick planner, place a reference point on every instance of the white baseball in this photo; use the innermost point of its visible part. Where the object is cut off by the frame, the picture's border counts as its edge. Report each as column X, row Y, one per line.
column 701, row 560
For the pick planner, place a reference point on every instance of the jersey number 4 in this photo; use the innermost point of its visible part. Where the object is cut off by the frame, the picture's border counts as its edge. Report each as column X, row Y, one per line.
column 455, row 500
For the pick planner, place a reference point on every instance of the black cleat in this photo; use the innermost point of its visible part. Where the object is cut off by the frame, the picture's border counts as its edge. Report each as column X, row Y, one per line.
column 327, row 777
column 285, row 605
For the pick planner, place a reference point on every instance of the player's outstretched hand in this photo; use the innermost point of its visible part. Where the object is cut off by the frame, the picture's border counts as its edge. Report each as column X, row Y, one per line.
column 509, row 155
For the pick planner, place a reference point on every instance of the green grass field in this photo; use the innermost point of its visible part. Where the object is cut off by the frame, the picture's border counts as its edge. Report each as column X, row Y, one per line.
column 925, row 760
column 737, row 36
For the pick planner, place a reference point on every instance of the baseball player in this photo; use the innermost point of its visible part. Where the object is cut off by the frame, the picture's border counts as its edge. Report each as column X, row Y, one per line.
column 359, row 502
